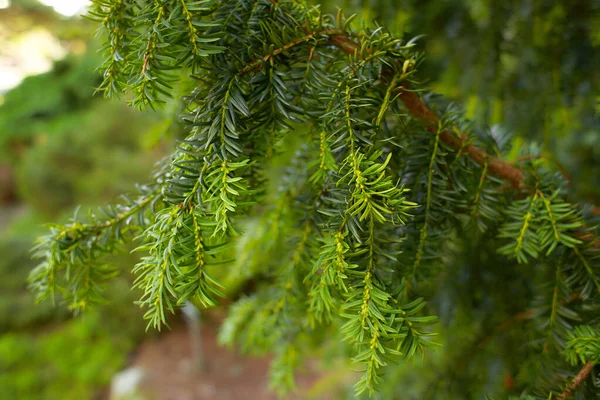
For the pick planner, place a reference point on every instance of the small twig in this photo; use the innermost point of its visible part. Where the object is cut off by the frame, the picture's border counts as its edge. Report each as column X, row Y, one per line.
column 145, row 64
column 257, row 63
column 577, row 381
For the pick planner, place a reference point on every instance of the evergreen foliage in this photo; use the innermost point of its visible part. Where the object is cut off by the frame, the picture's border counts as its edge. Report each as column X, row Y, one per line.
column 385, row 188
column 526, row 65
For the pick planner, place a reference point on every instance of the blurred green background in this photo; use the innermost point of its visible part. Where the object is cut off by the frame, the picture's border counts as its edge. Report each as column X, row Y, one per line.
column 60, row 147
column 526, row 66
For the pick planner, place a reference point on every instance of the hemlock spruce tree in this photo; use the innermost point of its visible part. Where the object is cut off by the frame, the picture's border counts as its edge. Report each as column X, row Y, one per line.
column 316, row 165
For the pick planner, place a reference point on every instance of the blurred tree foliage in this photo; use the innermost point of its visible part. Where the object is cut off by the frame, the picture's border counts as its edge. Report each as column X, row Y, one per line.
column 74, row 360
column 61, row 146
column 43, row 354
column 64, row 145
column 42, row 104
column 26, row 15
column 17, row 308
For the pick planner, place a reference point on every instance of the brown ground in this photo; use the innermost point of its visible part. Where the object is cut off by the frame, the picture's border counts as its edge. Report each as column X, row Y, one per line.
column 169, row 373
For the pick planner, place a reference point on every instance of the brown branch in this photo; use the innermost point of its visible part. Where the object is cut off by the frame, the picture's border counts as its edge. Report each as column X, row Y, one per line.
column 344, row 43
column 417, row 108
column 496, row 166
column 577, row 381
column 589, row 237
column 145, row 64
column 420, row 110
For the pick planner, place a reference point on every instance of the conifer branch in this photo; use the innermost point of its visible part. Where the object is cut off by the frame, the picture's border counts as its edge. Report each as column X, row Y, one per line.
column 577, row 381
column 277, row 75
column 419, row 109
column 477, row 199
column 287, row 46
column 588, row 268
column 553, row 309
column 425, row 227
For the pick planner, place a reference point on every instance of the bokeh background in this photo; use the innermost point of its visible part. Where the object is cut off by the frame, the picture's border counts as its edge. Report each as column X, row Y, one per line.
column 530, row 67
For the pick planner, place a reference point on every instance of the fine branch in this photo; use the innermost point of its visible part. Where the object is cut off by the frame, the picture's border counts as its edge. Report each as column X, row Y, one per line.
column 496, row 166
column 577, row 381
column 420, row 110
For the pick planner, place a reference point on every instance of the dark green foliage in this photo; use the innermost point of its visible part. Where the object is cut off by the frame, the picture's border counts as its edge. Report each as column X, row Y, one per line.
column 529, row 66
column 377, row 202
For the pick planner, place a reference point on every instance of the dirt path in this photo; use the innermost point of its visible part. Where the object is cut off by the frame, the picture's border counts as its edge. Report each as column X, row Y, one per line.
column 170, row 375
